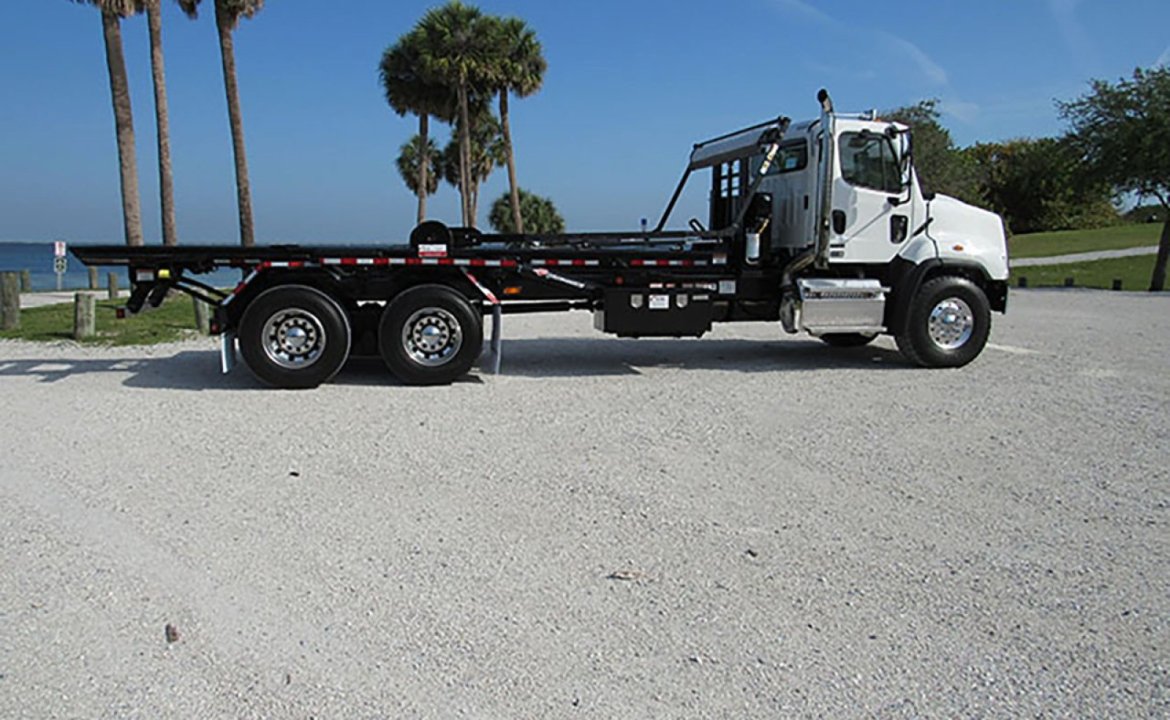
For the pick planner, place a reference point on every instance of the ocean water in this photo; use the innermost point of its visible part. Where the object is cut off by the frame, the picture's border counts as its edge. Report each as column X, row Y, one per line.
column 37, row 258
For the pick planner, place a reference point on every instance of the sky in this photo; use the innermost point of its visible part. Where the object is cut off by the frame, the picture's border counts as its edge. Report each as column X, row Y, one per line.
column 631, row 85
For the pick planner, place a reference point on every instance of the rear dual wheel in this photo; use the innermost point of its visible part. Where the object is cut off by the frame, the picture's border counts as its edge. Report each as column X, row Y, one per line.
column 430, row 335
column 294, row 336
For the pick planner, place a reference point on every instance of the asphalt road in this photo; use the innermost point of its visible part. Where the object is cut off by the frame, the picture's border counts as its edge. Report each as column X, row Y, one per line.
column 743, row 526
column 1084, row 257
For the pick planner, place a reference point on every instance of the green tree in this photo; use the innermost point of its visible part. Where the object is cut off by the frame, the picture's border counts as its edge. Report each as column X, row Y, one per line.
column 1147, row 213
column 486, row 153
column 409, row 89
column 227, row 18
column 1122, row 134
column 457, row 44
column 941, row 166
column 112, row 13
column 539, row 214
column 414, row 171
column 519, row 68
column 1037, row 185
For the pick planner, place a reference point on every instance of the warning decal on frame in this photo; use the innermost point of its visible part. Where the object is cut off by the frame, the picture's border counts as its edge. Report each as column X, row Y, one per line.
column 438, row 250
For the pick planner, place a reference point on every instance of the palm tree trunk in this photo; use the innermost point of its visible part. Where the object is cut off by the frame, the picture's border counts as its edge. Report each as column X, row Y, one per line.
column 166, row 182
column 424, row 159
column 124, row 128
column 465, row 156
column 223, row 23
column 512, row 187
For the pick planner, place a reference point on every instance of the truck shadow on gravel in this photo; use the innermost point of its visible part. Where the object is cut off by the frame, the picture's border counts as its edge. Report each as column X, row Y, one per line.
column 199, row 370
column 575, row 357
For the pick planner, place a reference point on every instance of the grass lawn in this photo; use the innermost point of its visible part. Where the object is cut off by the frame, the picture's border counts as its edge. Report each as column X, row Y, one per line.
column 1134, row 273
column 173, row 320
column 1076, row 241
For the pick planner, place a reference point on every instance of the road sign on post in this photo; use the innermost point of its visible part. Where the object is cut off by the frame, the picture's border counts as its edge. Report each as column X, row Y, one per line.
column 60, row 262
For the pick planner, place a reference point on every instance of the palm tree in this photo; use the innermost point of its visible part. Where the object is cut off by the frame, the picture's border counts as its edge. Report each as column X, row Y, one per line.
column 112, row 12
column 486, row 153
column 416, row 166
column 166, row 182
column 457, row 51
column 227, row 17
column 409, row 90
column 540, row 214
column 520, row 67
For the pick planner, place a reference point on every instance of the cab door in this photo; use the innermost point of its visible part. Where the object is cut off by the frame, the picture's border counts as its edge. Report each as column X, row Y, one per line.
column 873, row 201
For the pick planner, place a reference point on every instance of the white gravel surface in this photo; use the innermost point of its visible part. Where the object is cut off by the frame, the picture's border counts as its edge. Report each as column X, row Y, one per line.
column 739, row 526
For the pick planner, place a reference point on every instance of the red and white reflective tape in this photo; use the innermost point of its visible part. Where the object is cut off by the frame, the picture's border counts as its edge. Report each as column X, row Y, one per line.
column 487, row 294
column 444, row 261
column 566, row 262
column 281, row 264
column 243, row 284
column 664, row 262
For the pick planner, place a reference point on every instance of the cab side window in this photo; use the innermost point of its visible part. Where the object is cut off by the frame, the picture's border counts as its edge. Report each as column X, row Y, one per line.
column 792, row 156
column 868, row 160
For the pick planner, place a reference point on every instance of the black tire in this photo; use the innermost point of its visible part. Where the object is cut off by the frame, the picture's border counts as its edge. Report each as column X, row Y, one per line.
column 847, row 340
column 948, row 323
column 294, row 336
column 430, row 335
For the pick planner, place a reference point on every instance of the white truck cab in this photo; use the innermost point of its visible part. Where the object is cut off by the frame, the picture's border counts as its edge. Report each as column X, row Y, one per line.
column 836, row 203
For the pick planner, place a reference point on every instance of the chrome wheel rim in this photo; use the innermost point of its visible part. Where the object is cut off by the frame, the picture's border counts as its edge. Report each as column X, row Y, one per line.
column 293, row 338
column 951, row 323
column 432, row 336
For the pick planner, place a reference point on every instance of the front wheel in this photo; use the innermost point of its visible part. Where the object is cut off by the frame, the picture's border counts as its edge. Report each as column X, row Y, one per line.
column 430, row 335
column 948, row 323
column 294, row 336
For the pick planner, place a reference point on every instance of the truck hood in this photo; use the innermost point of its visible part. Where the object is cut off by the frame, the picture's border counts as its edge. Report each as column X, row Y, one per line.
column 967, row 233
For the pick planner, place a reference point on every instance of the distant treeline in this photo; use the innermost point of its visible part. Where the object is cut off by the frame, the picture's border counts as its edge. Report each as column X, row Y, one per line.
column 1035, row 184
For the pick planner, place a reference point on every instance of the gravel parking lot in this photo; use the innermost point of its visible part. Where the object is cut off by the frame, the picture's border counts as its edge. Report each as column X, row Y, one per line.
column 741, row 526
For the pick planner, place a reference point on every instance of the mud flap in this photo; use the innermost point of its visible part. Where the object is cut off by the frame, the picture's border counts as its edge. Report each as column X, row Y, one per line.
column 227, row 352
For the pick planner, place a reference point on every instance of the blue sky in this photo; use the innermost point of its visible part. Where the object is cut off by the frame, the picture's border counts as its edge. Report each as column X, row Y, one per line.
column 630, row 86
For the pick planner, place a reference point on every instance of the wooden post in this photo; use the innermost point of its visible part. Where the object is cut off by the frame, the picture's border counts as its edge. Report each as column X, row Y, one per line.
column 202, row 317
column 25, row 281
column 84, row 316
column 9, row 301
column 93, row 279
column 112, row 279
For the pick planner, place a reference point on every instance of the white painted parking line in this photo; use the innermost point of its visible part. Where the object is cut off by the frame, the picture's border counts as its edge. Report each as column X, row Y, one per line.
column 1013, row 350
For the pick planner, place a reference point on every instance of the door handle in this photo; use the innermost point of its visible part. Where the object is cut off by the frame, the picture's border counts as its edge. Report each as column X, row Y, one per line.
column 839, row 222
column 899, row 226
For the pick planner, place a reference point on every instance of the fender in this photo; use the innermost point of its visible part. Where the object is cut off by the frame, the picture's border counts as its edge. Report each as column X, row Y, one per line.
column 905, row 278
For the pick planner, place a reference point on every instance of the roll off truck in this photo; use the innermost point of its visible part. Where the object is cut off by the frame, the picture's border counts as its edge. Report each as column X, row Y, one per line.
column 819, row 226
